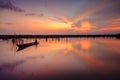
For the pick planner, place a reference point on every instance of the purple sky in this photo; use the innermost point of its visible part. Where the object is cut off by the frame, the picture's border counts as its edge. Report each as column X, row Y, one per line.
column 59, row 16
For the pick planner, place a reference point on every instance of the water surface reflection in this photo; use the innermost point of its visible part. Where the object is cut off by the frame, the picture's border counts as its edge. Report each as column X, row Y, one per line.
column 61, row 59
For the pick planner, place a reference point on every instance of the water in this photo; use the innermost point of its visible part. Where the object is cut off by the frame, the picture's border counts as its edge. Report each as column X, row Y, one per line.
column 61, row 59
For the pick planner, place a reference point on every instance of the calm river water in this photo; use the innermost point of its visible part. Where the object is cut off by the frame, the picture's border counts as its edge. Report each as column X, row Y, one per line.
column 61, row 59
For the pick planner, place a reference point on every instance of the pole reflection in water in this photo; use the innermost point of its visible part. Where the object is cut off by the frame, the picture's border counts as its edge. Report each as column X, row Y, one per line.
column 60, row 59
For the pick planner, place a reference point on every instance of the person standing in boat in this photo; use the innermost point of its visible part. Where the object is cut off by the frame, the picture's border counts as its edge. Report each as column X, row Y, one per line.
column 36, row 42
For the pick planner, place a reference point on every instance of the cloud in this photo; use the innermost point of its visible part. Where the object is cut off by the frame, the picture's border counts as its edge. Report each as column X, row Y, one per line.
column 7, row 23
column 9, row 5
column 114, row 26
column 79, row 20
column 85, row 26
column 66, row 20
column 97, row 16
column 34, row 14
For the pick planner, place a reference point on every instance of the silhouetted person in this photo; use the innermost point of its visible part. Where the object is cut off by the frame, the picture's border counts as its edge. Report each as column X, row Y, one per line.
column 35, row 41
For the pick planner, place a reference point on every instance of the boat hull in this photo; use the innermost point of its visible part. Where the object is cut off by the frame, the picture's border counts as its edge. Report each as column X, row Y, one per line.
column 23, row 46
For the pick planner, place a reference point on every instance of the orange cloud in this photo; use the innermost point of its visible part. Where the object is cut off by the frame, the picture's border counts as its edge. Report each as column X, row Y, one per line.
column 114, row 26
column 66, row 20
column 85, row 26
column 90, row 12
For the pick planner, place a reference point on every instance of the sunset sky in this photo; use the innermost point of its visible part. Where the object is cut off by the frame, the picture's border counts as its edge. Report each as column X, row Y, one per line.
column 59, row 16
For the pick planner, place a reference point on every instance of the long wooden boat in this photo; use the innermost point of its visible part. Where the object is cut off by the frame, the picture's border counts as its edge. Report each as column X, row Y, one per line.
column 23, row 46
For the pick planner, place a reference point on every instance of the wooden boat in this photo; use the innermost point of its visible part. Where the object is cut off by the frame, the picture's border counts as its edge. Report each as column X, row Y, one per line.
column 23, row 46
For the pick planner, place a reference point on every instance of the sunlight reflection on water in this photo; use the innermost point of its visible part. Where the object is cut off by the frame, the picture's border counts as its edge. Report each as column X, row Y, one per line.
column 61, row 59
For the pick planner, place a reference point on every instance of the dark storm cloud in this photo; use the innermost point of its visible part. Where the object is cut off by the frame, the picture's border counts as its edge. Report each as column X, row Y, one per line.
column 9, row 5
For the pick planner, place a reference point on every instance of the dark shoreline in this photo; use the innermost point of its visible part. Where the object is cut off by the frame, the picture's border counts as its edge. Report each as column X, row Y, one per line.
column 61, row 36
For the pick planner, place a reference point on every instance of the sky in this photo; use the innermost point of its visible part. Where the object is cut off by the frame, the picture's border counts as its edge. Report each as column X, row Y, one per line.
column 59, row 16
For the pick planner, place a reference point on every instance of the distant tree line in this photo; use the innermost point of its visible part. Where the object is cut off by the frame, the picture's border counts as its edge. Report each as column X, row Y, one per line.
column 60, row 36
